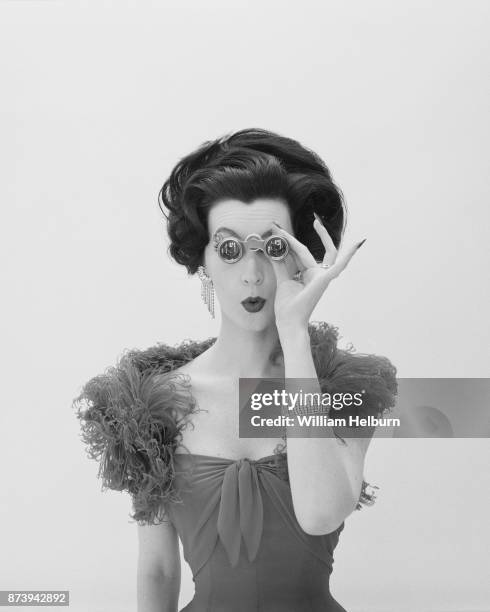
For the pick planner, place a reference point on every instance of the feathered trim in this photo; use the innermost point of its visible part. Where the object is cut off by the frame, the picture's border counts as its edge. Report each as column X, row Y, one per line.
column 344, row 371
column 132, row 416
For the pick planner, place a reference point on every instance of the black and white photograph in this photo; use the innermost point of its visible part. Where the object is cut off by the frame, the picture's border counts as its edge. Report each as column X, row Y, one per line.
column 245, row 305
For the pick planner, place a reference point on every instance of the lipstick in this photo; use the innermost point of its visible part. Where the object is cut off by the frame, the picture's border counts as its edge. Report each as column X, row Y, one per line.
column 253, row 304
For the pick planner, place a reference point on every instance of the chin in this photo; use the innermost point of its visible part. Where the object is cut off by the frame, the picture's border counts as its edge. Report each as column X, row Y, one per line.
column 257, row 325
column 257, row 321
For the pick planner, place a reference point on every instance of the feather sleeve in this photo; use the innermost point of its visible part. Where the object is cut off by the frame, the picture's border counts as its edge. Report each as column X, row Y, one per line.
column 131, row 420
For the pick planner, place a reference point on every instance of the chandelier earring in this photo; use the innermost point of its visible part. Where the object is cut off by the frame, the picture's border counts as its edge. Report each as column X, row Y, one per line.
column 207, row 289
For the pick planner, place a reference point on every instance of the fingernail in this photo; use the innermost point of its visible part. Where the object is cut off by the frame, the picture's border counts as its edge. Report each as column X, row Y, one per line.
column 317, row 217
column 361, row 243
column 277, row 224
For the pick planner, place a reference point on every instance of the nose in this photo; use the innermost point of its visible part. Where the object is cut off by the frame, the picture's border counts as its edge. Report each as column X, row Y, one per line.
column 252, row 273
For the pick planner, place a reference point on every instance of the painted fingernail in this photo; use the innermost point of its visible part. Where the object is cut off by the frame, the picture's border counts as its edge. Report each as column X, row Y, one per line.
column 361, row 243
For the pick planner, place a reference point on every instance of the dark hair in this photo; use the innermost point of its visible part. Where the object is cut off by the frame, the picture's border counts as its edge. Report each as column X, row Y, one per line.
column 247, row 165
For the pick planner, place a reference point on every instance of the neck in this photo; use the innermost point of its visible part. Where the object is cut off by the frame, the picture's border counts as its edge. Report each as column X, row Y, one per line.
column 244, row 353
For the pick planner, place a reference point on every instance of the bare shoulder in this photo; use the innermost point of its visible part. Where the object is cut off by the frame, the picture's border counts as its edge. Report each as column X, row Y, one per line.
column 202, row 376
column 194, row 367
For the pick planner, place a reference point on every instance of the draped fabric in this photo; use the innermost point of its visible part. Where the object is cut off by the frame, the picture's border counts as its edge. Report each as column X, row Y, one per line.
column 242, row 541
column 132, row 415
column 235, row 518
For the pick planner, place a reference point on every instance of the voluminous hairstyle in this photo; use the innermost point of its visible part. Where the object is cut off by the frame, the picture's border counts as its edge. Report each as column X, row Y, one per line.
column 247, row 165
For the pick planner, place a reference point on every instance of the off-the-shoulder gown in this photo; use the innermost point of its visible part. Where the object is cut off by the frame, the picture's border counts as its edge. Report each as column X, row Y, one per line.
column 235, row 518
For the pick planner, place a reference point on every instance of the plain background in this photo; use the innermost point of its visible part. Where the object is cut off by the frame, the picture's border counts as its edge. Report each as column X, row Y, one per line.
column 99, row 101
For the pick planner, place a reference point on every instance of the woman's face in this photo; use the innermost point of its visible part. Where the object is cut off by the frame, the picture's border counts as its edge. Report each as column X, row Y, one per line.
column 253, row 274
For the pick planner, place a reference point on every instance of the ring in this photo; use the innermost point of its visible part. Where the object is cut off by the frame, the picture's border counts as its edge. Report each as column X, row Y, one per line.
column 298, row 276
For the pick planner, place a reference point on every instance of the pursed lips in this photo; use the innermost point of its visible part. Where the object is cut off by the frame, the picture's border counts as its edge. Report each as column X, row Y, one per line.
column 253, row 304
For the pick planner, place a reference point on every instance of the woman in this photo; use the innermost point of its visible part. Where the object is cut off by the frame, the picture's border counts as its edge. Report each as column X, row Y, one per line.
column 259, row 218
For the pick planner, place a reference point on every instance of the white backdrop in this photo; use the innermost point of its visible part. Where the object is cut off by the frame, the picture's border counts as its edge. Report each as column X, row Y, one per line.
column 99, row 100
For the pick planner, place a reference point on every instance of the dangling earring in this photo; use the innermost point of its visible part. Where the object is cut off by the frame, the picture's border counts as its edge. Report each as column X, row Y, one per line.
column 207, row 289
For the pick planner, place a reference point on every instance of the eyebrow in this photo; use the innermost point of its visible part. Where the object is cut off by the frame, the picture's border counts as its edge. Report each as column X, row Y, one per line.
column 230, row 231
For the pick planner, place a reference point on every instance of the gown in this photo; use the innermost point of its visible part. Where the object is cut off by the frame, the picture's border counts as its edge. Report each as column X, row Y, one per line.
column 235, row 518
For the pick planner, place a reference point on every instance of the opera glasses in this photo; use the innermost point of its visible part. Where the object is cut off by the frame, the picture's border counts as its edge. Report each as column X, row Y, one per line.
column 232, row 249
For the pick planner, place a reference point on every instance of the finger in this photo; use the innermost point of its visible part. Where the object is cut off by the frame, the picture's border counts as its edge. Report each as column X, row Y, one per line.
column 316, row 287
column 325, row 237
column 330, row 249
column 298, row 247
column 297, row 261
column 344, row 259
column 280, row 270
